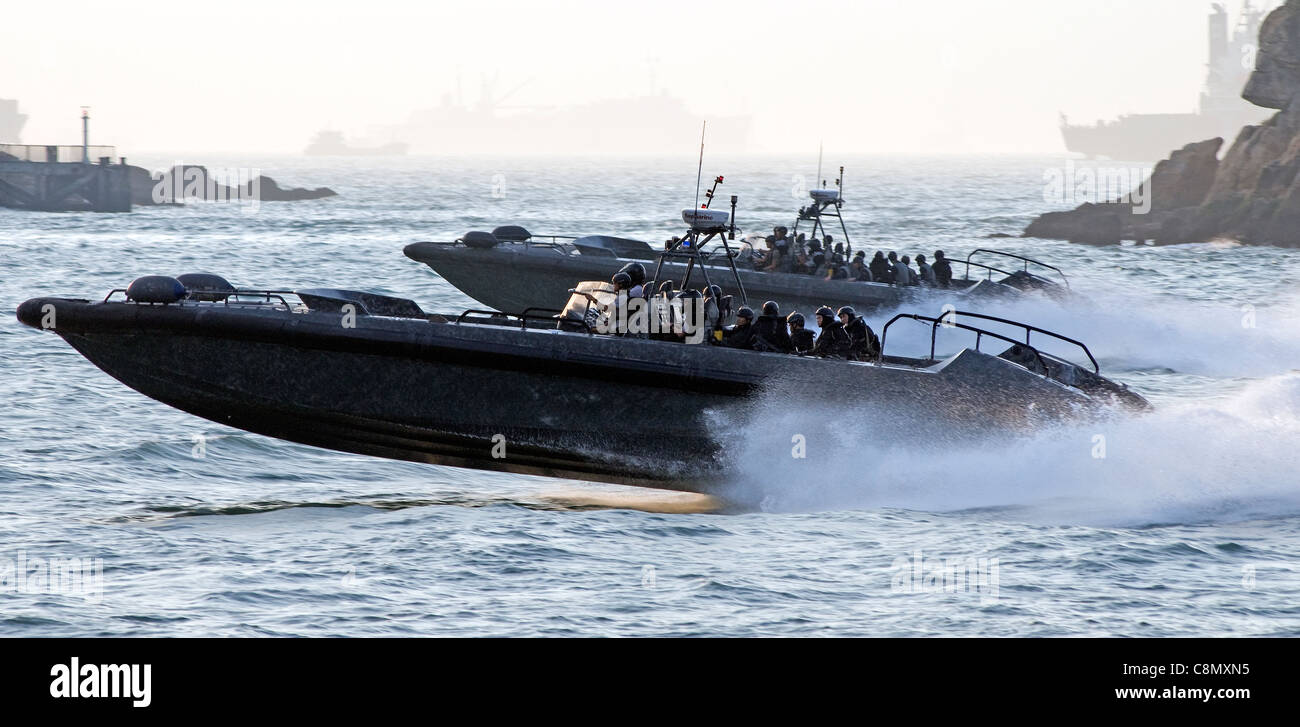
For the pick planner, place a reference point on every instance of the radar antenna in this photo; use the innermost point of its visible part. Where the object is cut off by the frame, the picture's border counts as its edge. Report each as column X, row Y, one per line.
column 826, row 203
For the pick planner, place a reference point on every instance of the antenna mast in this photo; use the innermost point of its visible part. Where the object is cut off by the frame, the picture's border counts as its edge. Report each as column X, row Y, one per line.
column 700, row 169
column 820, row 146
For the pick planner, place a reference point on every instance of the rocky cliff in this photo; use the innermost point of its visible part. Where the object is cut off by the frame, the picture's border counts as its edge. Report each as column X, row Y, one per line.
column 1252, row 195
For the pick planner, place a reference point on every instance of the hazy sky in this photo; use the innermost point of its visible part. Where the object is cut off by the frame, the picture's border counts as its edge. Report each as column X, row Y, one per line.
column 864, row 75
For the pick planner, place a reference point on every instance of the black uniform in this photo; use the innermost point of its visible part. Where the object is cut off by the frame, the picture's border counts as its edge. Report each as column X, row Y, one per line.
column 802, row 340
column 833, row 341
column 942, row 272
column 771, row 334
column 881, row 270
column 738, row 336
column 864, row 345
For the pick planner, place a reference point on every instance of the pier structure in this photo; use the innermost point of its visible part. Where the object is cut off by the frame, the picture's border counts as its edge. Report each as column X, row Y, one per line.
column 63, row 178
column 55, row 178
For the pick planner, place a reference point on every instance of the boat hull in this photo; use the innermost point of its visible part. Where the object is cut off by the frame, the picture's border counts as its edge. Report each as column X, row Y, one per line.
column 538, row 402
column 513, row 279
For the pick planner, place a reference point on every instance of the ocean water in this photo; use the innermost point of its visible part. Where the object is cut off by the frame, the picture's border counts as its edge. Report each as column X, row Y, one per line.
column 1181, row 522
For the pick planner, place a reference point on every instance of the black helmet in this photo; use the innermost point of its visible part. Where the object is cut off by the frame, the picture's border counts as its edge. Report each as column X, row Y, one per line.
column 826, row 312
column 714, row 292
column 667, row 286
column 848, row 310
column 745, row 312
column 795, row 318
column 690, row 293
column 621, row 280
column 636, row 271
column 938, row 254
column 770, row 309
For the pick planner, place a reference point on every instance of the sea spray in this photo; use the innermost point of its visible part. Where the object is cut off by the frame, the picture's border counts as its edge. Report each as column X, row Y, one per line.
column 1187, row 462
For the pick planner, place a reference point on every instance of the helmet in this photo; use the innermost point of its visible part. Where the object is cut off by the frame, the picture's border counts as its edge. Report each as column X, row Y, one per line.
column 795, row 318
column 848, row 310
column 621, row 280
column 938, row 254
column 825, row 311
column 690, row 293
column 636, row 271
column 714, row 292
column 770, row 309
column 667, row 286
column 745, row 312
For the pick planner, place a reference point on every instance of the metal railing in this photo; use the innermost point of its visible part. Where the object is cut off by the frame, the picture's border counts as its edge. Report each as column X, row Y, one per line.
column 1033, row 329
column 947, row 322
column 549, row 315
column 56, row 153
column 263, row 296
column 1026, row 260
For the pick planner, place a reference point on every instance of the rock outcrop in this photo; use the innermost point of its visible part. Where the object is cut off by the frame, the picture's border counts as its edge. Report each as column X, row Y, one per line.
column 192, row 182
column 1252, row 195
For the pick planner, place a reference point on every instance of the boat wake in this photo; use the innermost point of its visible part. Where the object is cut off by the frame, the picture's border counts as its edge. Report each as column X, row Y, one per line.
column 1185, row 463
column 1131, row 330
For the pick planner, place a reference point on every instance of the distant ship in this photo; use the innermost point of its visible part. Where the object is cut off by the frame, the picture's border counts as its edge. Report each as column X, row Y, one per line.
column 11, row 122
column 1222, row 111
column 331, row 143
column 653, row 123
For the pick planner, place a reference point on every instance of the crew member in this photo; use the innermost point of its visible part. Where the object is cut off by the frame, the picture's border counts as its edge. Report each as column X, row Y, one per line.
column 903, row 273
column 833, row 341
column 741, row 335
column 622, row 283
column 925, row 272
column 801, row 338
column 858, row 269
column 881, row 271
column 942, row 270
column 770, row 333
column 863, row 343
column 637, row 273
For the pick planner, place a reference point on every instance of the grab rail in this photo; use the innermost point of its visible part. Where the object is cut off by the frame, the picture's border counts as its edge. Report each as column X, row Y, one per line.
column 1027, row 261
column 266, row 295
column 1033, row 329
column 535, row 313
column 988, row 268
column 946, row 322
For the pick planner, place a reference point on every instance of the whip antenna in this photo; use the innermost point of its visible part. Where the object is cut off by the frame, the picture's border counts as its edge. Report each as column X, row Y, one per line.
column 699, row 171
column 819, row 163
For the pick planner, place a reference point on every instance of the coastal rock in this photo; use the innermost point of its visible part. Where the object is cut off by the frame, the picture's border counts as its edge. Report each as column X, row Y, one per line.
column 191, row 182
column 1182, row 181
column 1252, row 195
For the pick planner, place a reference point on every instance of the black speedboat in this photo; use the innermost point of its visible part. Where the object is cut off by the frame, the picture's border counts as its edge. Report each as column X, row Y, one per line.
column 527, row 393
column 509, row 269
